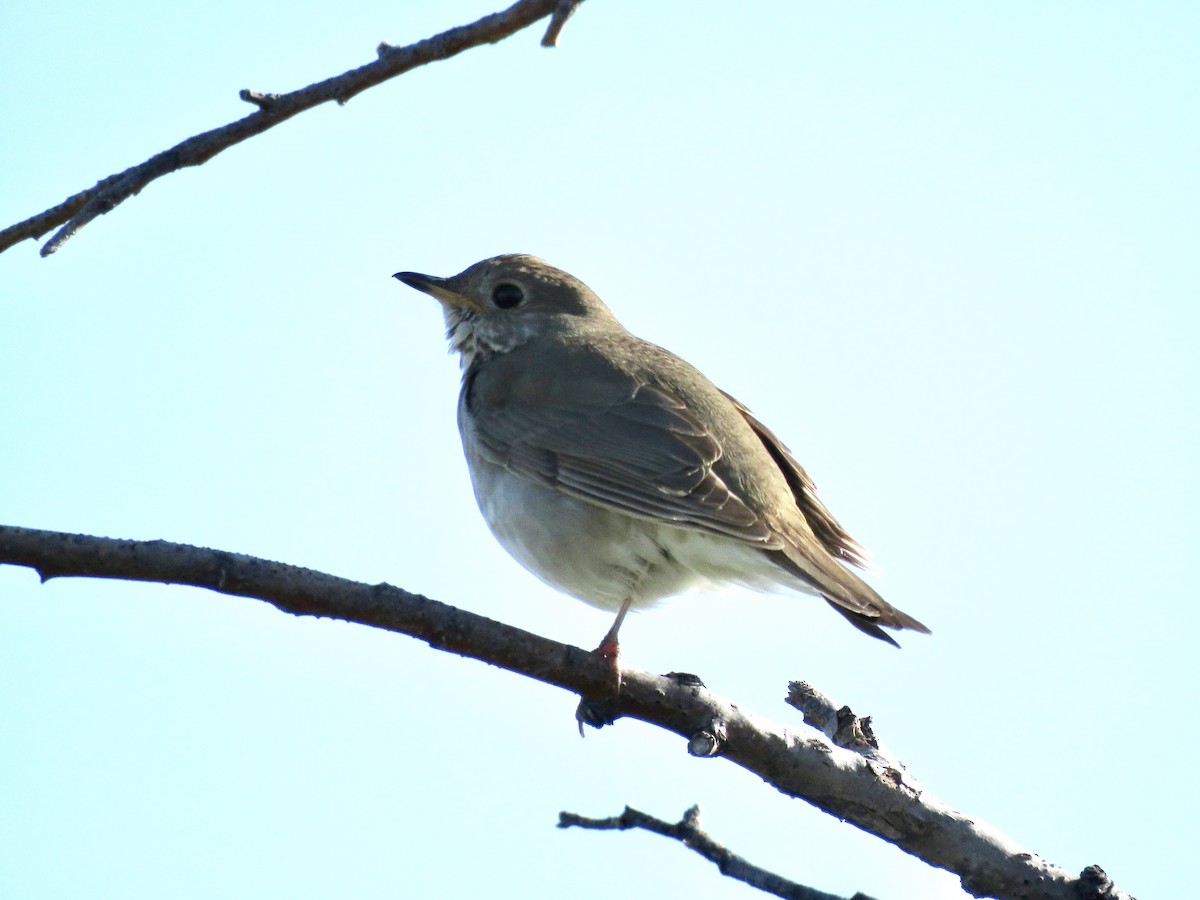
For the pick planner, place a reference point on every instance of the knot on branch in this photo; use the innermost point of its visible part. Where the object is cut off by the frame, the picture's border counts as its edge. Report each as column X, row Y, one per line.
column 854, row 732
column 839, row 724
column 263, row 101
column 1094, row 884
column 685, row 679
column 708, row 742
column 850, row 732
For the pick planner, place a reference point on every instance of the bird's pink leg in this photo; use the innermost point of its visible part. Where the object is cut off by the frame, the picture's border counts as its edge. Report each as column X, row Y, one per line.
column 591, row 709
column 609, row 648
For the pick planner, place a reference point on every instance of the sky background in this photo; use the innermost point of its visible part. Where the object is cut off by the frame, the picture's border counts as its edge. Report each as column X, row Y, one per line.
column 947, row 252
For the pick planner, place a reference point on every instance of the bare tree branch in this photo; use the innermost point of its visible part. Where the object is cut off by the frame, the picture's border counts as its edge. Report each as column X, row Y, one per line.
column 79, row 209
column 688, row 832
column 875, row 795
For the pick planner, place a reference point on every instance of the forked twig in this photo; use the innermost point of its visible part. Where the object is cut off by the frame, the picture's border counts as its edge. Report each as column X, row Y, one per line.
column 689, row 833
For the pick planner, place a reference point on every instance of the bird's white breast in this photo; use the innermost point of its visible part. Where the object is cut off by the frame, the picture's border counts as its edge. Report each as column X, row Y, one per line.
column 603, row 556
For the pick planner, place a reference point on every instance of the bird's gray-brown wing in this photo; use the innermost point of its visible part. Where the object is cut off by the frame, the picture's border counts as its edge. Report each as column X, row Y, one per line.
column 833, row 537
column 620, row 443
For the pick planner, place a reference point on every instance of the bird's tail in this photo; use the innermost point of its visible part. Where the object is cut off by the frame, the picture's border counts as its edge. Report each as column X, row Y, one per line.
column 846, row 592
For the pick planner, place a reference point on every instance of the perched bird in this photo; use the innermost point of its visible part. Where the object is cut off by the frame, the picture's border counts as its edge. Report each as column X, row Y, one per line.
column 615, row 471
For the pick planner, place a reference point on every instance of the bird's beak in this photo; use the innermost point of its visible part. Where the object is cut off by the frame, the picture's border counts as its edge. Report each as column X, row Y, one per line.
column 438, row 288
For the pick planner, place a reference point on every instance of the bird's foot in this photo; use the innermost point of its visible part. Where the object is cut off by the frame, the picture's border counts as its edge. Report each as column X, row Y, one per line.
column 599, row 710
column 610, row 651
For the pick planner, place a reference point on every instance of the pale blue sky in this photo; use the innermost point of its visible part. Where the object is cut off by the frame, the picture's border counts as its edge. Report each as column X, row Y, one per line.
column 947, row 252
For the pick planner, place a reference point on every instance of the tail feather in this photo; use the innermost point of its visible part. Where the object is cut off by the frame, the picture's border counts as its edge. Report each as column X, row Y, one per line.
column 856, row 600
column 865, row 624
column 816, row 546
column 868, row 625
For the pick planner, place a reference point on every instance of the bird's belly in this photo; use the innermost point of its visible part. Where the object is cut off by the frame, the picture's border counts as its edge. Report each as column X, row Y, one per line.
column 602, row 556
column 595, row 554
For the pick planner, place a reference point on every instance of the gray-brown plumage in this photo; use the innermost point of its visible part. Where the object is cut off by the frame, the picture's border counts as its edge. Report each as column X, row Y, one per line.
column 617, row 472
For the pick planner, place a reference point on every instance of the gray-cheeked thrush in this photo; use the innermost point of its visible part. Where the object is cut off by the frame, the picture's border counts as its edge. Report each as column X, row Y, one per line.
column 615, row 471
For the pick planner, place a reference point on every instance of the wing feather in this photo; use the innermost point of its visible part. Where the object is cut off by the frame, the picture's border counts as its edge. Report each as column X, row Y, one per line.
column 643, row 453
column 833, row 537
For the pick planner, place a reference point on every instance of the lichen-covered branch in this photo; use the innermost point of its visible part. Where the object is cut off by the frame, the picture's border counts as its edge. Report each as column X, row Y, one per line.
column 872, row 793
column 79, row 209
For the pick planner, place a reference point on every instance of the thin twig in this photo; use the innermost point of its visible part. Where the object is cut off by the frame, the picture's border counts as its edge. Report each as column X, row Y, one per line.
column 562, row 11
column 689, row 833
column 873, row 796
column 79, row 209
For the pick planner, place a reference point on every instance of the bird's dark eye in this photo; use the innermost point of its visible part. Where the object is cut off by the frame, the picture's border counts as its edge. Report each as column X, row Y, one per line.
column 506, row 295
